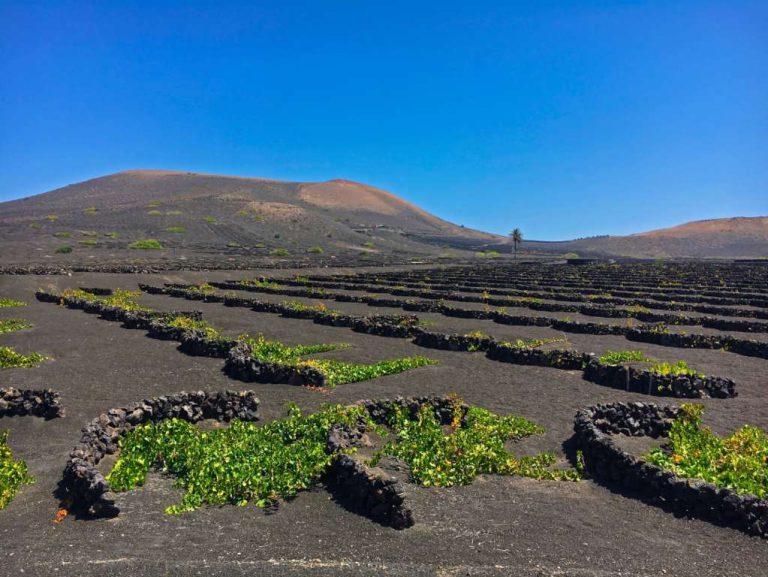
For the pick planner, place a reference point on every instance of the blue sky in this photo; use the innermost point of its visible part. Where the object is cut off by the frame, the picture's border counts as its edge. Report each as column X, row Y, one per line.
column 565, row 119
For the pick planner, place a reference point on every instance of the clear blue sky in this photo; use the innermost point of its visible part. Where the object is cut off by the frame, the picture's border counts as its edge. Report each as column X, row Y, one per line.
column 562, row 118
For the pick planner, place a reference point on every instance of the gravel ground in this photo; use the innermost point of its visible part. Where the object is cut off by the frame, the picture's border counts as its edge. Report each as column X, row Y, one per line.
column 496, row 526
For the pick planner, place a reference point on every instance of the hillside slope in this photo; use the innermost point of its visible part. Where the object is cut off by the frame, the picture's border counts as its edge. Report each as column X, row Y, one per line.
column 741, row 237
column 212, row 219
column 193, row 214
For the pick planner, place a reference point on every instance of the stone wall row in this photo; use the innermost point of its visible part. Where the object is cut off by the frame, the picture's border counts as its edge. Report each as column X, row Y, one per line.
column 44, row 403
column 240, row 364
column 83, row 486
column 595, row 428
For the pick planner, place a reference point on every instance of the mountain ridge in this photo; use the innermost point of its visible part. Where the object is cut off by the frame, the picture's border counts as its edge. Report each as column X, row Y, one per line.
column 190, row 213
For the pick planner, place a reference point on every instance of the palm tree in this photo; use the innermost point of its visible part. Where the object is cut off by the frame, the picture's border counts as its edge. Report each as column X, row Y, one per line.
column 517, row 238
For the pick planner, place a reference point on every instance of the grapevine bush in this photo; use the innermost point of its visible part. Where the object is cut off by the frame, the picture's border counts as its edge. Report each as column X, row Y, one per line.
column 12, row 325
column 10, row 359
column 243, row 463
column 474, row 445
column 13, row 472
column 738, row 462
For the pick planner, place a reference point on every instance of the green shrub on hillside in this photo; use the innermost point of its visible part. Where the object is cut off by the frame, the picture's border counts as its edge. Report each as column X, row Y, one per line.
column 145, row 244
column 488, row 254
column 63, row 249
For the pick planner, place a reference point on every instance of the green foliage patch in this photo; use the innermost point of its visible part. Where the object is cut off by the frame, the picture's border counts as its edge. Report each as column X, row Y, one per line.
column 488, row 254
column 145, row 244
column 176, row 229
column 300, row 306
column 662, row 368
column 280, row 252
column 525, row 300
column 678, row 369
column 341, row 372
column 12, row 325
column 619, row 357
column 533, row 343
column 335, row 372
column 63, row 249
column 120, row 298
column 247, row 463
column 474, row 445
column 190, row 324
column 10, row 359
column 276, row 352
column 738, row 462
column 202, row 288
column 6, row 303
column 636, row 309
column 13, row 472
column 261, row 283
column 243, row 463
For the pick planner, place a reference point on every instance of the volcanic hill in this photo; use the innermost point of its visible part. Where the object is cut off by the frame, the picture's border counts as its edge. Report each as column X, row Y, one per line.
column 740, row 237
column 157, row 216
column 195, row 215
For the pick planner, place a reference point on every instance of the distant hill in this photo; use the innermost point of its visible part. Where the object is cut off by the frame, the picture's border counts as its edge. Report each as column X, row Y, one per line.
column 741, row 237
column 193, row 215
column 210, row 219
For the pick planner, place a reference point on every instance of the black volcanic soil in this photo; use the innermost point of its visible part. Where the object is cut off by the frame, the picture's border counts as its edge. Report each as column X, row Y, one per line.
column 497, row 526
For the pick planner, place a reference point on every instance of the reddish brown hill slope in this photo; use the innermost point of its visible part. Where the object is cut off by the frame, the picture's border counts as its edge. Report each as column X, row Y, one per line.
column 194, row 215
column 743, row 237
column 201, row 213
